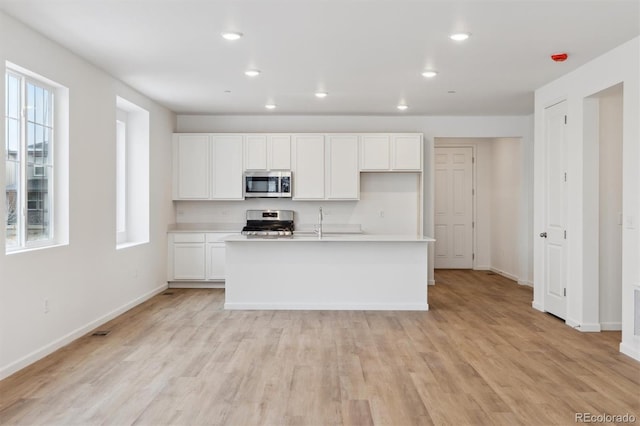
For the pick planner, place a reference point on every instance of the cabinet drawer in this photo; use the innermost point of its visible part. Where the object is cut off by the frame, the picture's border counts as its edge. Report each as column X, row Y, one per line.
column 188, row 238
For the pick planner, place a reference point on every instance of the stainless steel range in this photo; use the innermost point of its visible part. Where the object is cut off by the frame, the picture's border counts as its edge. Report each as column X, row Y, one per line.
column 269, row 223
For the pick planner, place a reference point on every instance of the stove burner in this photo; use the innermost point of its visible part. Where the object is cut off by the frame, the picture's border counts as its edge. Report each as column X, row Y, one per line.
column 269, row 224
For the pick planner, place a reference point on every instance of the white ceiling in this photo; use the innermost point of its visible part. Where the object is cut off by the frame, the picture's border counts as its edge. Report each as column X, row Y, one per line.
column 367, row 54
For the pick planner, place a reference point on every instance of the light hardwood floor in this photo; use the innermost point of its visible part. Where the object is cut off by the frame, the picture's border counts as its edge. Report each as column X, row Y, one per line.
column 481, row 355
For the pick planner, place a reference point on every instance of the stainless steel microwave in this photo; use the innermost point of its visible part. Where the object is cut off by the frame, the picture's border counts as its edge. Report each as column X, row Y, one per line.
column 275, row 184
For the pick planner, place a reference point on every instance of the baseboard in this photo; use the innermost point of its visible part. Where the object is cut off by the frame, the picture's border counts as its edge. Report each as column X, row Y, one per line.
column 481, row 268
column 537, row 306
column 585, row 328
column 611, row 326
column 328, row 306
column 504, row 274
column 526, row 283
column 431, row 282
column 75, row 334
column 630, row 351
column 186, row 284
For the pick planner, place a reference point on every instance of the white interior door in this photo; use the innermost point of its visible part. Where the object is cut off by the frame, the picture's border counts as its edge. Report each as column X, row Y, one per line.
column 555, row 300
column 453, row 208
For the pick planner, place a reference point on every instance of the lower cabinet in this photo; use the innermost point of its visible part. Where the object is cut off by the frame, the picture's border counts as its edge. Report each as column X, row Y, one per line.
column 197, row 256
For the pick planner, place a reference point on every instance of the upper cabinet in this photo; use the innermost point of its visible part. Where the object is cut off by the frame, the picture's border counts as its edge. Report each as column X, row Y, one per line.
column 391, row 152
column 267, row 152
column 226, row 170
column 406, row 152
column 342, row 169
column 308, row 167
column 210, row 166
column 191, row 167
column 207, row 167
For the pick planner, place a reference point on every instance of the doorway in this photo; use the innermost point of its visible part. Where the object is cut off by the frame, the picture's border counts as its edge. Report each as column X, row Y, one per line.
column 603, row 128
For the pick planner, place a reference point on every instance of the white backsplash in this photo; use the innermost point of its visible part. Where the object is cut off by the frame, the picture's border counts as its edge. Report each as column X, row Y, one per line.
column 389, row 204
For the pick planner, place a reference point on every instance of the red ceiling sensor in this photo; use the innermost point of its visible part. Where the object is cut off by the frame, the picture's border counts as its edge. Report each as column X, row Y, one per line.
column 559, row 57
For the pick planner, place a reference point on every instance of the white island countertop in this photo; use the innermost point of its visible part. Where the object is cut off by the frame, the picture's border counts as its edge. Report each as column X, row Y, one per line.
column 333, row 238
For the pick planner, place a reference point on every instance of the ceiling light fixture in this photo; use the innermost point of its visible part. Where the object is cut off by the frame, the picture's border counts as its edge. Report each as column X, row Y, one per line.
column 429, row 74
column 231, row 36
column 252, row 73
column 402, row 107
column 321, row 94
column 270, row 106
column 459, row 36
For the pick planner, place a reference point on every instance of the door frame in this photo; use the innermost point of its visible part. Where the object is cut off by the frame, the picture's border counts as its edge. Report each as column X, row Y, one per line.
column 474, row 209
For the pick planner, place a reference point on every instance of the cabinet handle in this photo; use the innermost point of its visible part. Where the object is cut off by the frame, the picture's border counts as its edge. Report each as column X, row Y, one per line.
column 543, row 234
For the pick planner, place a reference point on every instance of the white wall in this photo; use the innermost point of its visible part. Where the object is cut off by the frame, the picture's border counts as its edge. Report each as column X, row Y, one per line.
column 506, row 187
column 610, row 208
column 87, row 281
column 620, row 65
column 431, row 127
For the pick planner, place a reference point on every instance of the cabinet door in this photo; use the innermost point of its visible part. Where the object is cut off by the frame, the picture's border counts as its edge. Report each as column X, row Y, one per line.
column 191, row 167
column 308, row 175
column 215, row 261
column 227, row 167
column 256, row 152
column 280, row 152
column 343, row 172
column 374, row 152
column 407, row 152
column 188, row 261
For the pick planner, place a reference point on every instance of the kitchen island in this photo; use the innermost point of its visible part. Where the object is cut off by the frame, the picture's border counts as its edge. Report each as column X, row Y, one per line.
column 336, row 272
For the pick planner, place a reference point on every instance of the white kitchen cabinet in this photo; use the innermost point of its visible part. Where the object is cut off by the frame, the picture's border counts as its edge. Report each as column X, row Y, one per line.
column 215, row 252
column 268, row 152
column 207, row 167
column 406, row 152
column 308, row 167
column 187, row 256
column 342, row 168
column 279, row 149
column 255, row 152
column 227, row 167
column 375, row 152
column 391, row 152
column 191, row 166
column 197, row 256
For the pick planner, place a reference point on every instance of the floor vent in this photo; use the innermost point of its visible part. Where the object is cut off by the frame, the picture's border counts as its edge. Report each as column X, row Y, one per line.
column 491, row 273
column 167, row 293
column 101, row 333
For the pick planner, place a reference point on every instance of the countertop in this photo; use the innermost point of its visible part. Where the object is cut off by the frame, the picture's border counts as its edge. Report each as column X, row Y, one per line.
column 334, row 238
column 205, row 227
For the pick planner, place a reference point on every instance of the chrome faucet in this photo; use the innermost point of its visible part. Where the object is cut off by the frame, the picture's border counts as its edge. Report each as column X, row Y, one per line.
column 319, row 228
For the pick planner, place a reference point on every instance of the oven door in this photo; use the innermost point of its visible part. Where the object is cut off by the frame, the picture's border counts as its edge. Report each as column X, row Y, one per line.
column 261, row 185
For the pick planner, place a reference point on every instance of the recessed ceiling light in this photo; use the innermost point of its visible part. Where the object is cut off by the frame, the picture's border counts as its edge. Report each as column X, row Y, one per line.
column 429, row 74
column 459, row 36
column 451, row 91
column 252, row 73
column 270, row 106
column 321, row 94
column 231, row 36
column 402, row 107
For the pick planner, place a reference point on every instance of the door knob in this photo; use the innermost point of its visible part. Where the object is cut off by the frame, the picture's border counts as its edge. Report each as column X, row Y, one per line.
column 543, row 234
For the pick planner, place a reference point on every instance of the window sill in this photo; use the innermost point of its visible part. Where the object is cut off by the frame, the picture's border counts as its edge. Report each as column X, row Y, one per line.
column 9, row 252
column 128, row 244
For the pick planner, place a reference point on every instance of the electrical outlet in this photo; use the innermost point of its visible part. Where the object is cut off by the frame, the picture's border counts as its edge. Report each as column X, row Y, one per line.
column 381, row 213
column 46, row 306
column 630, row 222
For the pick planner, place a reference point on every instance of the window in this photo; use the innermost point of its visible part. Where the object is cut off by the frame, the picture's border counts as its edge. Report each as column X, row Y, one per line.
column 132, row 174
column 29, row 157
column 121, row 177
